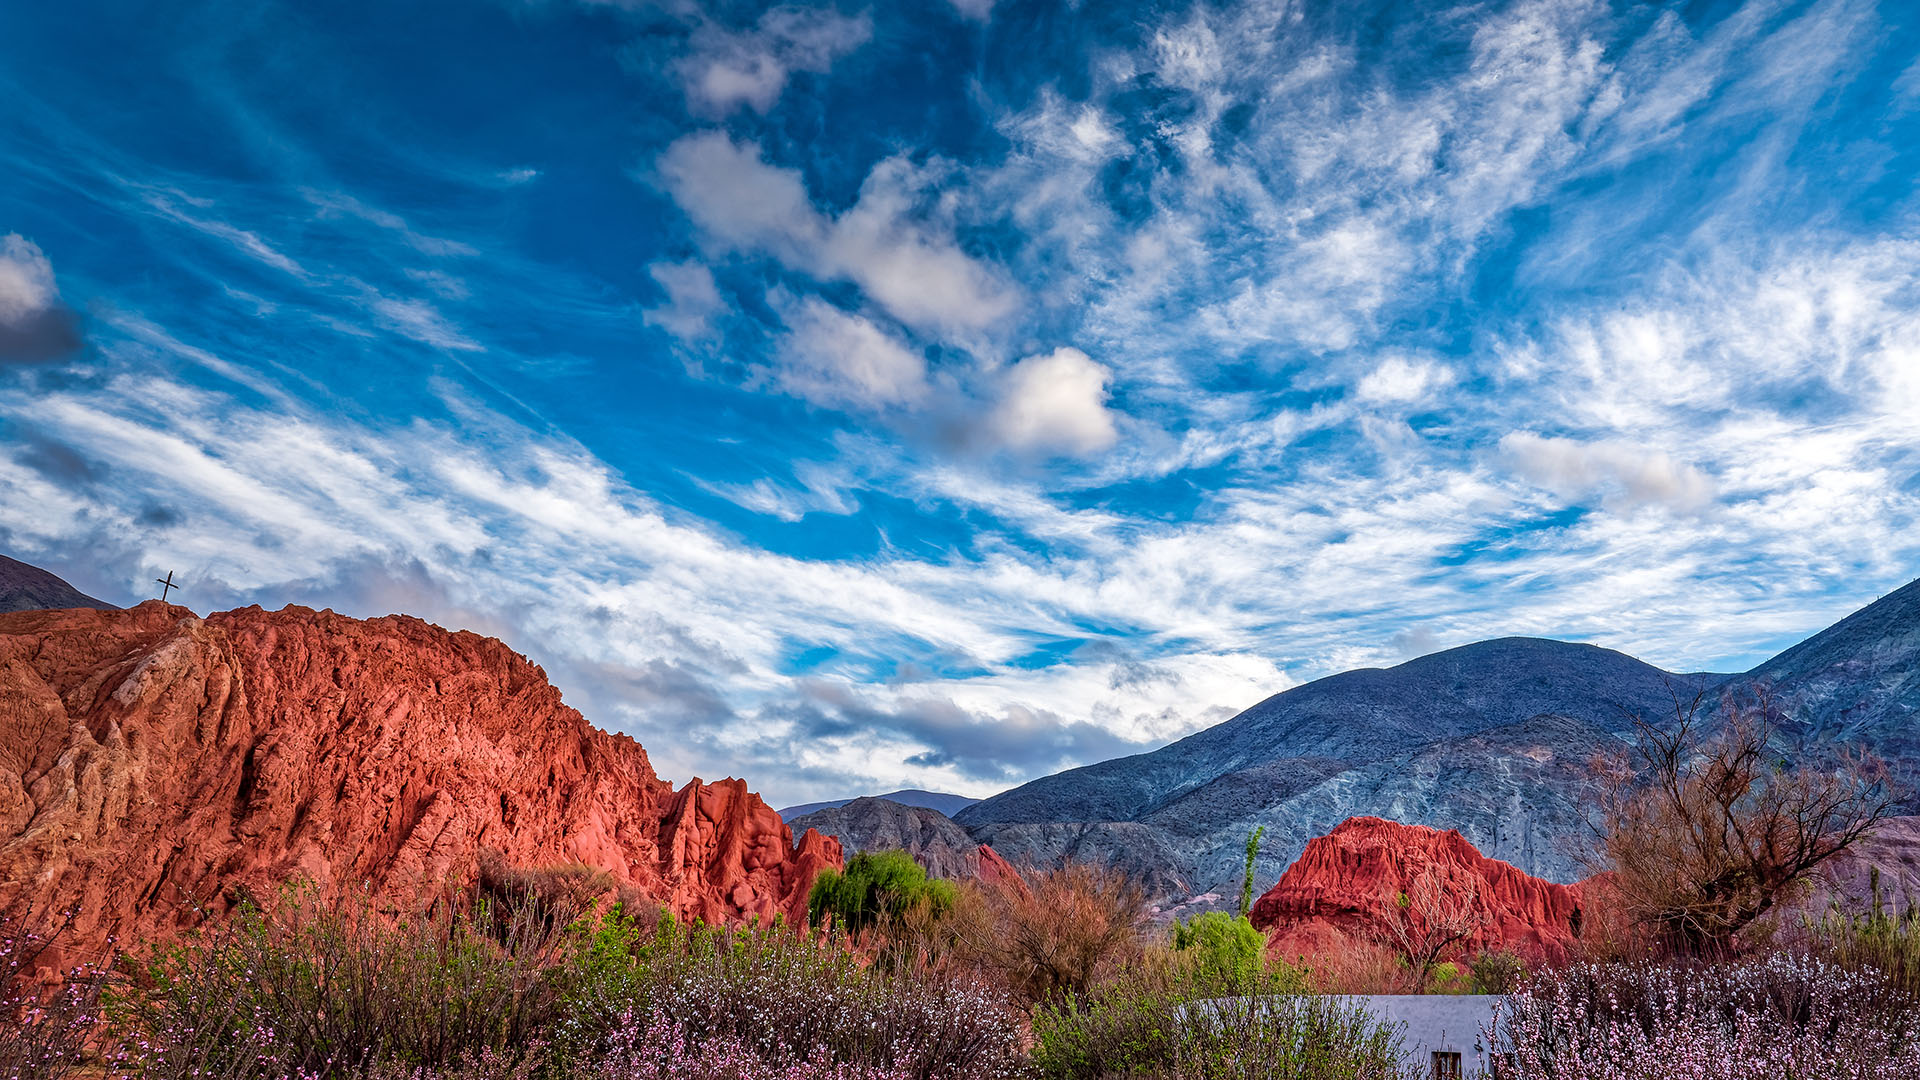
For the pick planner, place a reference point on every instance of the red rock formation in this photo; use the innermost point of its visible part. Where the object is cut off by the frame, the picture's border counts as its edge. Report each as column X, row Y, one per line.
column 151, row 761
column 992, row 868
column 1347, row 884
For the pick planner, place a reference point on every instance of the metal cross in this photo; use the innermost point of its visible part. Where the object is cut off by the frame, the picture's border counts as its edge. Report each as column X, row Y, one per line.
column 166, row 583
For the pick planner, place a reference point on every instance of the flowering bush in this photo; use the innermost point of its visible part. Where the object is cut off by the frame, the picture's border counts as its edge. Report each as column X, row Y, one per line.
column 1780, row 1017
column 662, row 1049
column 781, row 999
column 319, row 990
column 43, row 1028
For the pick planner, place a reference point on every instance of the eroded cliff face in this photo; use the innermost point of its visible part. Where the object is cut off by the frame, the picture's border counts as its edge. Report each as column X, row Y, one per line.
column 1346, row 886
column 154, row 765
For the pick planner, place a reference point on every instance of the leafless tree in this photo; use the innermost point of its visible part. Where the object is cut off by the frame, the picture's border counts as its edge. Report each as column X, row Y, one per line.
column 1432, row 916
column 1706, row 831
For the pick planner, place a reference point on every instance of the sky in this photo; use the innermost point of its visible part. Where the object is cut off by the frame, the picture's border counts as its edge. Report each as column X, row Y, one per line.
column 943, row 394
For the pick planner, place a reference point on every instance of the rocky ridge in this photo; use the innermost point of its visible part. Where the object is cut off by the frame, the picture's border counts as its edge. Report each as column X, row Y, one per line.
column 1346, row 887
column 155, row 766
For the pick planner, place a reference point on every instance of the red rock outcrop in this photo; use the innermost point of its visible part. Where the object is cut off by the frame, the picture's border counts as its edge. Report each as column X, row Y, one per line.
column 1346, row 886
column 152, row 762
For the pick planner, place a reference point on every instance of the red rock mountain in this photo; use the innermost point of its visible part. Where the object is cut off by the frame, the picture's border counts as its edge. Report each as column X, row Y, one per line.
column 151, row 761
column 1346, row 886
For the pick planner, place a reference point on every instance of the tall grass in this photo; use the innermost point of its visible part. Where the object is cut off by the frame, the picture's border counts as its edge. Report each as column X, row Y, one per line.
column 1876, row 940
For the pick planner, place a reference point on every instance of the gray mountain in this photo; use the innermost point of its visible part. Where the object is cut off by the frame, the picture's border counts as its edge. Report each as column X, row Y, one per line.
column 1854, row 684
column 1493, row 739
column 24, row 587
column 933, row 800
column 879, row 824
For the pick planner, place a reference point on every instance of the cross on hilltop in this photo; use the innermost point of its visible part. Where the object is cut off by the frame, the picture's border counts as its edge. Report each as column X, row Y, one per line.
column 167, row 584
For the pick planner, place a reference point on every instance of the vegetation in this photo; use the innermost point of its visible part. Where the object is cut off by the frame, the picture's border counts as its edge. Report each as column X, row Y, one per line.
column 1706, row 832
column 43, row 1036
column 1428, row 920
column 1051, row 976
column 1222, row 949
column 1876, row 940
column 1246, row 882
column 321, row 989
column 1762, row 1019
column 877, row 887
column 1055, row 934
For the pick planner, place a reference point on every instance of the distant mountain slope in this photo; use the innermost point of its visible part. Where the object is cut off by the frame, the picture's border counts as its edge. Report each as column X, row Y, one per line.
column 932, row 800
column 1491, row 739
column 876, row 824
column 24, row 587
column 1856, row 683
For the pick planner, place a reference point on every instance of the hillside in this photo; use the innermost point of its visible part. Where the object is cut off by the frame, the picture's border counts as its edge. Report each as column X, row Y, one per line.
column 878, row 824
column 154, row 763
column 29, row 588
column 1491, row 739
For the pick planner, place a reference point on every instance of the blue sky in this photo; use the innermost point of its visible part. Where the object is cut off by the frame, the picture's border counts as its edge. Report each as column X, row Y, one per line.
column 943, row 394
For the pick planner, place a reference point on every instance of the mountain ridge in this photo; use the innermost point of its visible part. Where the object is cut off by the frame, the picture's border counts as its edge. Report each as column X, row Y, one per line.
column 25, row 587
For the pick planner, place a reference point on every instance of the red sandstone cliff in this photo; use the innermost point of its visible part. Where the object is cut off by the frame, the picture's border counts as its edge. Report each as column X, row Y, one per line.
column 1346, row 884
column 151, row 760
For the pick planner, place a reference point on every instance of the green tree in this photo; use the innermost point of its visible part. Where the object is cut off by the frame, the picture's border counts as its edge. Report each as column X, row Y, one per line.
column 875, row 886
column 1246, row 884
column 1222, row 950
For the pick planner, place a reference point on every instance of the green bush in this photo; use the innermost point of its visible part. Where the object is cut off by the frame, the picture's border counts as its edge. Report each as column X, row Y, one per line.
column 1222, row 949
column 1138, row 1028
column 875, row 887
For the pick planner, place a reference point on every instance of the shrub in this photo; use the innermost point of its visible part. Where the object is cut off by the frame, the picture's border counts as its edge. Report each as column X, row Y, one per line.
column 1779, row 1017
column 1222, row 948
column 1137, row 1028
column 1706, row 833
column 1055, row 934
column 325, row 990
column 876, row 887
column 1877, row 940
column 1496, row 972
column 776, row 998
column 43, row 1027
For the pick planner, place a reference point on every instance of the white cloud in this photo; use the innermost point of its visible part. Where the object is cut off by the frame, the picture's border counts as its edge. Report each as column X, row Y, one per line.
column 730, row 68
column 903, row 257
column 977, row 10
column 692, row 300
column 1054, row 403
column 1624, row 474
column 1400, row 381
column 835, row 358
column 27, row 289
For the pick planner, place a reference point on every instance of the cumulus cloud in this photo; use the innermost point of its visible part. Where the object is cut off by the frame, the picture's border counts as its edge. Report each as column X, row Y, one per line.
column 730, row 68
column 1622, row 474
column 835, row 358
column 692, row 300
column 34, row 324
column 889, row 243
column 1054, row 403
